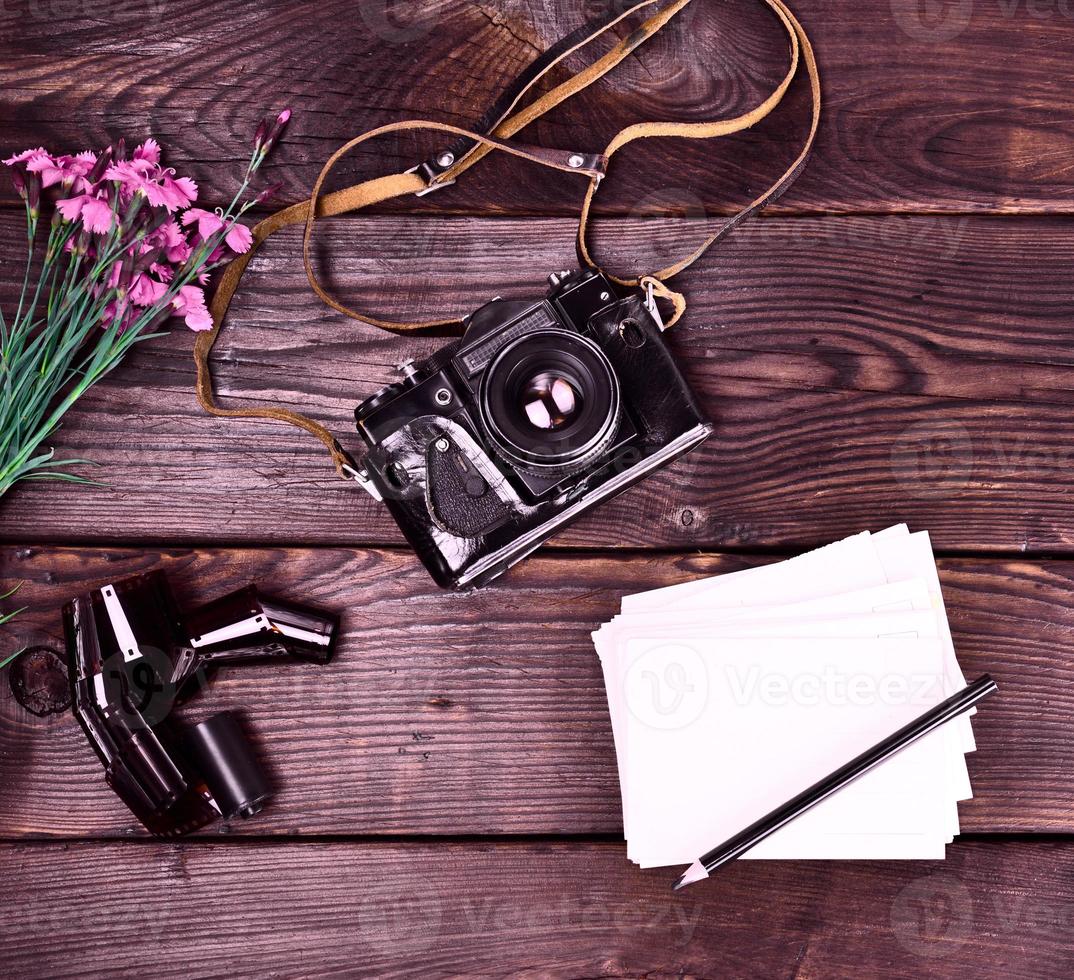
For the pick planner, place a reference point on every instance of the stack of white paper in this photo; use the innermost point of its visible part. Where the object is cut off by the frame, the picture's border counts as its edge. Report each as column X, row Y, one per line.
column 730, row 695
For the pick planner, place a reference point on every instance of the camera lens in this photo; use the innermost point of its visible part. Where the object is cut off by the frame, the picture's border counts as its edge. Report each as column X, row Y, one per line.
column 550, row 403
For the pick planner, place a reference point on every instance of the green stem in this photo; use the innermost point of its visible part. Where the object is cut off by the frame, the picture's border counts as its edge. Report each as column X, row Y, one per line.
column 31, row 236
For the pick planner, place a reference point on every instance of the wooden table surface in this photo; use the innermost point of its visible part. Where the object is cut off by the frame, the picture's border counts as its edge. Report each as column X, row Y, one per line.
column 894, row 342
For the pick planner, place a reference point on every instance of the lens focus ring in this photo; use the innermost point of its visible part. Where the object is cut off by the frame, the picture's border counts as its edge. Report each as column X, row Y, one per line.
column 550, row 403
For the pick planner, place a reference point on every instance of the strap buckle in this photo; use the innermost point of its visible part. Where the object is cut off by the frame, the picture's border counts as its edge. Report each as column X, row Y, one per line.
column 650, row 305
column 362, row 478
column 431, row 181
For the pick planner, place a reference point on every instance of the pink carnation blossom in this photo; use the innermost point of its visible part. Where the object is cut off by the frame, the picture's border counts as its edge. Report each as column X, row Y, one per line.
column 208, row 223
column 161, row 187
column 25, row 156
column 190, row 305
column 127, row 202
column 181, row 191
column 238, row 237
column 70, row 171
column 96, row 214
column 145, row 291
column 169, row 236
column 149, row 150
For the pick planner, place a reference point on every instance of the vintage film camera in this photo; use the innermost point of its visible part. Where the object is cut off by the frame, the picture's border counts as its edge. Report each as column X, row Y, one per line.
column 133, row 657
column 541, row 411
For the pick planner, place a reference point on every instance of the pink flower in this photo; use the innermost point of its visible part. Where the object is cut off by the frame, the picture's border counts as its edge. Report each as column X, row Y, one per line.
column 25, row 156
column 27, row 184
column 190, row 304
column 145, row 291
column 269, row 132
column 96, row 214
column 71, row 171
column 133, row 176
column 149, row 150
column 161, row 187
column 179, row 191
column 238, row 237
column 269, row 193
column 115, row 273
column 169, row 236
column 118, row 196
column 208, row 223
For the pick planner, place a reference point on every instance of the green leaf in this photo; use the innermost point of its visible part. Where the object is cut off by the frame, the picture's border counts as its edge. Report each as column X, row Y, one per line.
column 66, row 478
column 5, row 662
column 7, row 617
column 8, row 595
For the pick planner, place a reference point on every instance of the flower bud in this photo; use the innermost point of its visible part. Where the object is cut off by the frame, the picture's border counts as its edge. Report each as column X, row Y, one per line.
column 33, row 193
column 277, row 130
column 262, row 132
column 269, row 193
column 98, row 169
column 148, row 258
column 19, row 182
column 126, row 268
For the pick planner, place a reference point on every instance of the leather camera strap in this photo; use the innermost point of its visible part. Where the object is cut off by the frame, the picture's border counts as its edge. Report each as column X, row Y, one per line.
column 492, row 133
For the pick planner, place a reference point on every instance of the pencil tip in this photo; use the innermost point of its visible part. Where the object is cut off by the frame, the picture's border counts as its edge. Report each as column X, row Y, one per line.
column 695, row 872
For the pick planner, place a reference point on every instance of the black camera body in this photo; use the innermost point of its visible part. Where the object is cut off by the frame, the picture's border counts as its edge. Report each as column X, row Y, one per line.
column 541, row 411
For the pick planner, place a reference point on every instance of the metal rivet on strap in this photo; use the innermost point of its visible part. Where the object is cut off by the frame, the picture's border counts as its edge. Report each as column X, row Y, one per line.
column 445, row 159
column 576, row 160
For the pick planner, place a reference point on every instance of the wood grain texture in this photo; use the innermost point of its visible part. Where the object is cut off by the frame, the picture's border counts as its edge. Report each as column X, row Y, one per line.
column 859, row 371
column 959, row 107
column 486, row 713
column 483, row 910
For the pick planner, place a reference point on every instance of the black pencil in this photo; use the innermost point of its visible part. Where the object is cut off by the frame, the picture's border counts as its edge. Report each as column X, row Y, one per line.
column 842, row 777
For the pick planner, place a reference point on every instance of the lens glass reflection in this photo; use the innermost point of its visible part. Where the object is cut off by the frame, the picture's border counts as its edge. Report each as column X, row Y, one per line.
column 550, row 401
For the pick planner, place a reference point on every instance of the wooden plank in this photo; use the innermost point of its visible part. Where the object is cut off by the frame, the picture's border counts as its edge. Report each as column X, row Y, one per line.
column 486, row 713
column 860, row 371
column 527, row 910
column 956, row 109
